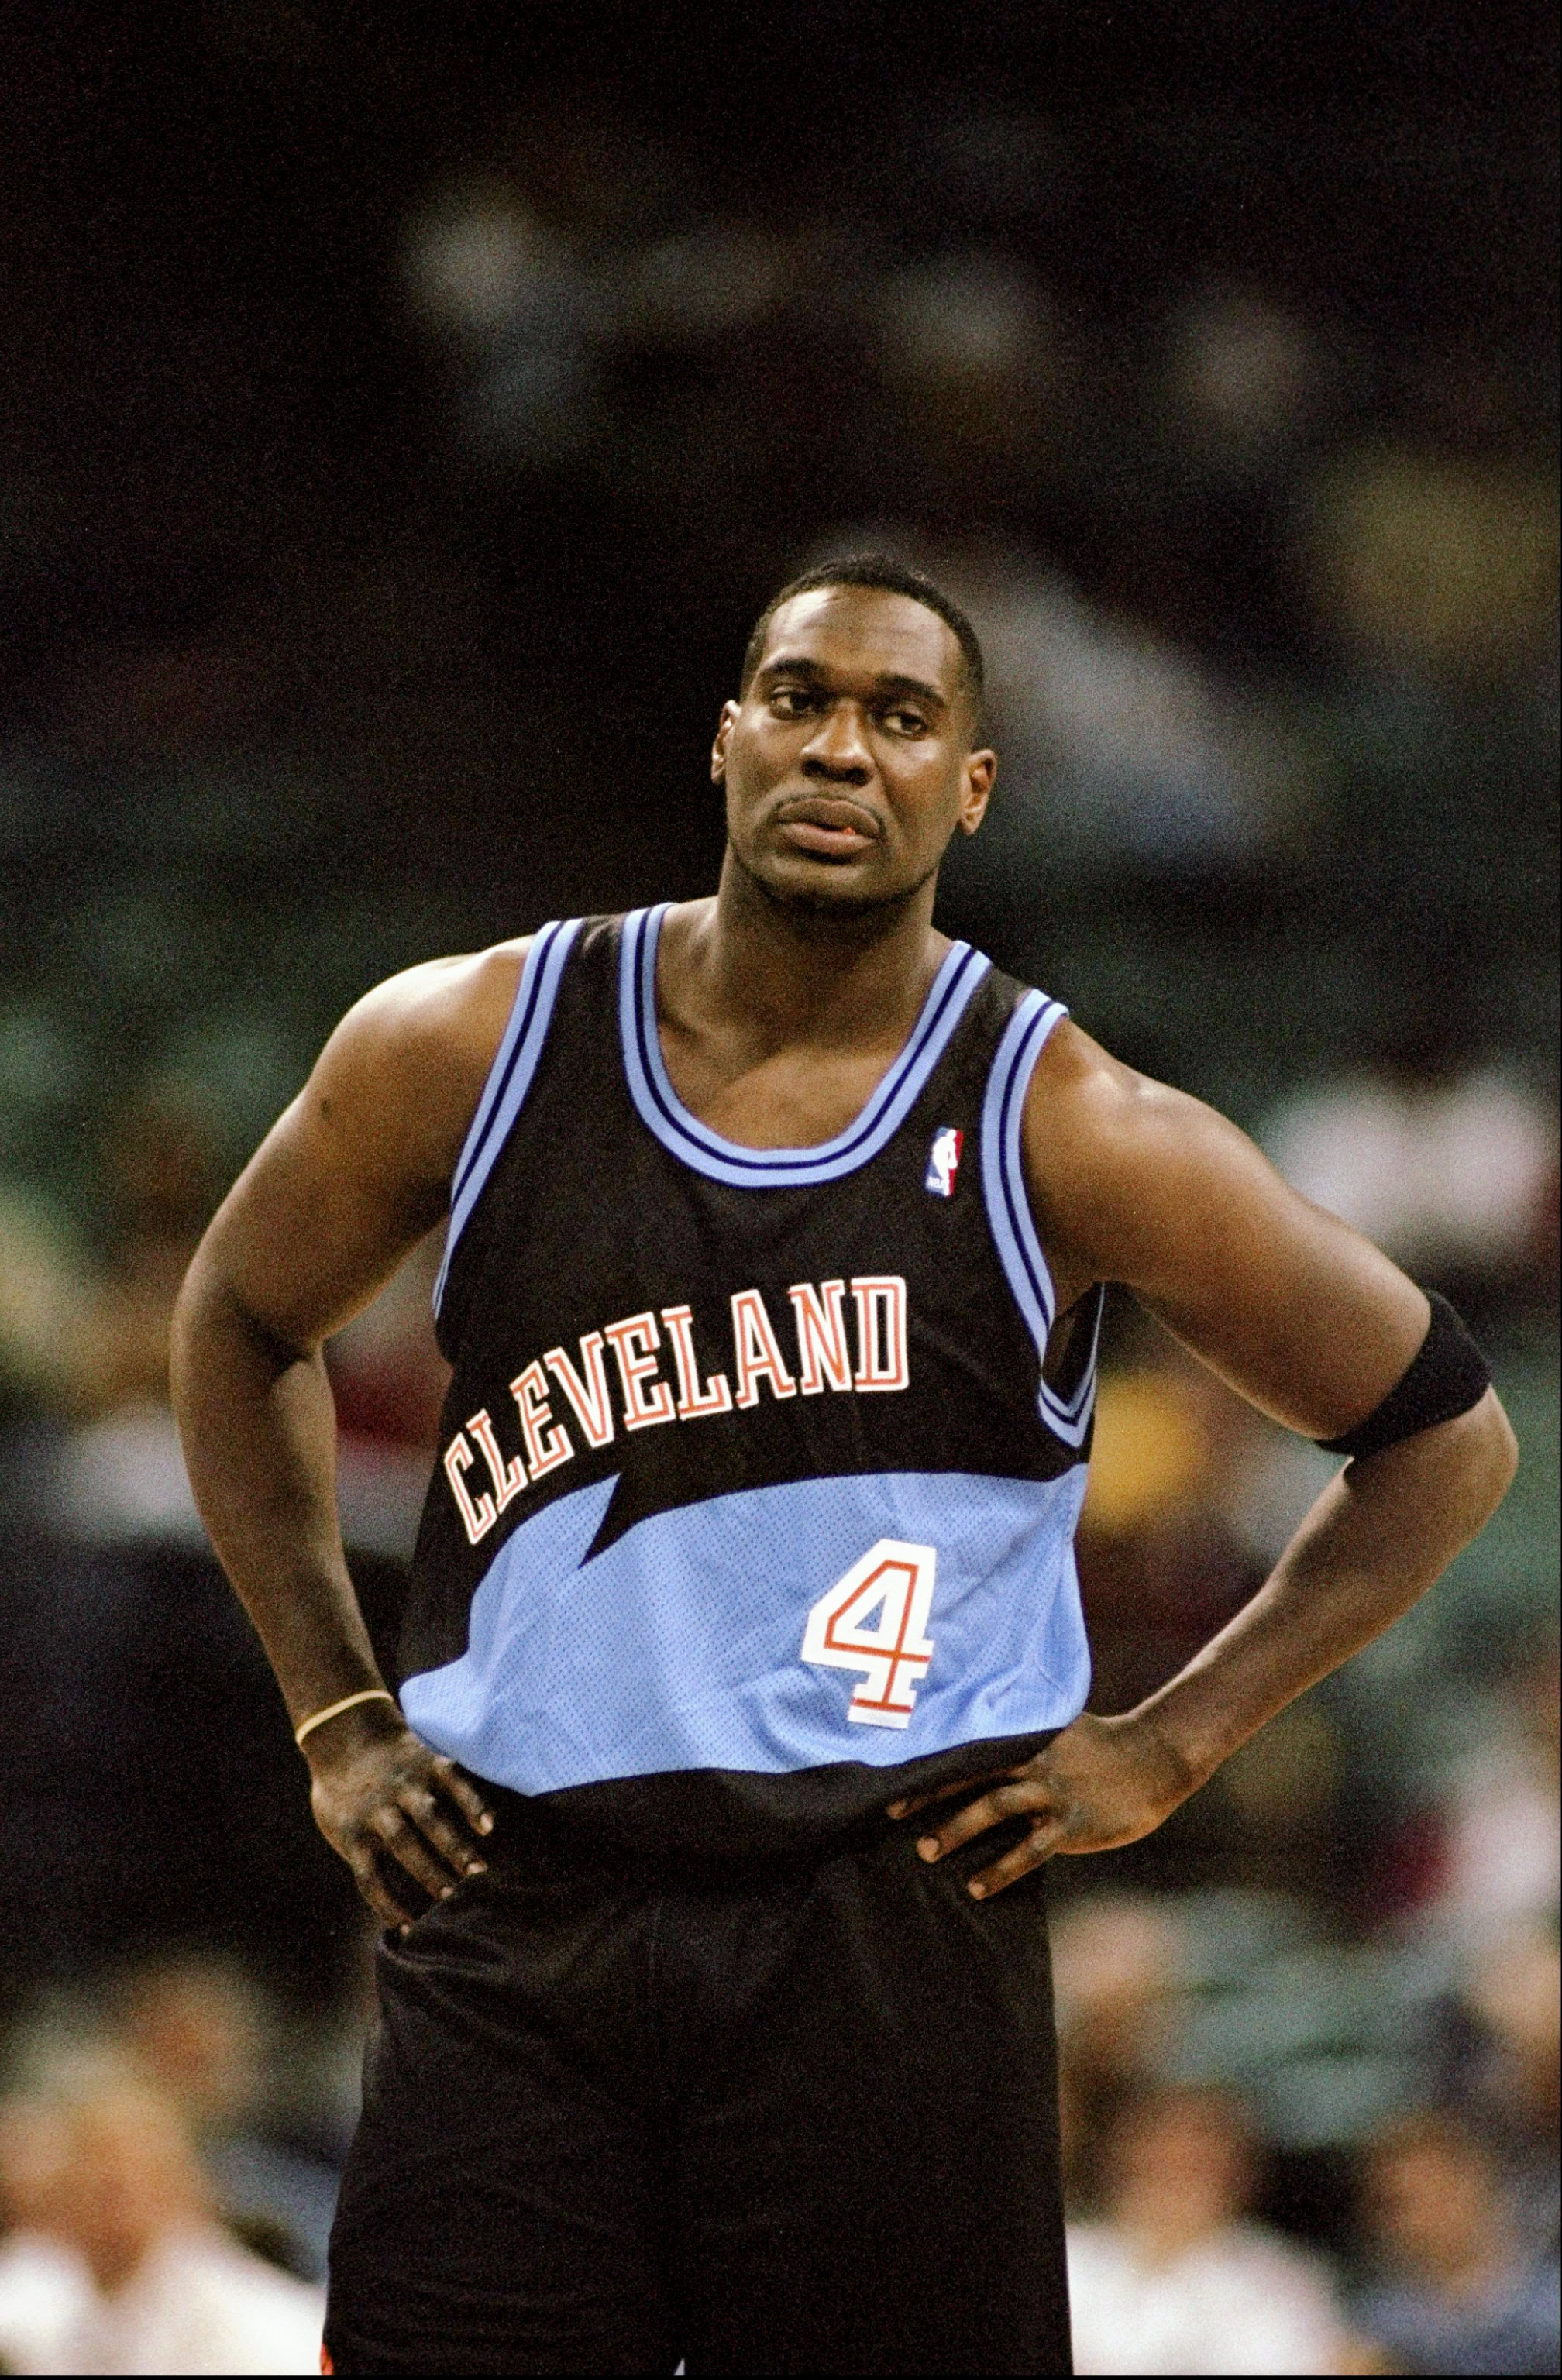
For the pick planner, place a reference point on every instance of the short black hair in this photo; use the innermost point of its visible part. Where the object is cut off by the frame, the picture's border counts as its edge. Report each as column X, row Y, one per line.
column 879, row 571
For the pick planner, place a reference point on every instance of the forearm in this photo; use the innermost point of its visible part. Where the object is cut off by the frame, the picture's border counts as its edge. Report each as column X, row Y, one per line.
column 259, row 1430
column 1374, row 1541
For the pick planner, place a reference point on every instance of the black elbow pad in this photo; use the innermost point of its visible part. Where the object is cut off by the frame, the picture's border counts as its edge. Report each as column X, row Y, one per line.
column 1447, row 1377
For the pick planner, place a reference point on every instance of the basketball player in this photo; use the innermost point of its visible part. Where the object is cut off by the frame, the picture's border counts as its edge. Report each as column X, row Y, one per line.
column 777, row 1226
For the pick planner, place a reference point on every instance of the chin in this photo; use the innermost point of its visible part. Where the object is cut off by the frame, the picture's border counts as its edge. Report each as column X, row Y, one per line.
column 821, row 889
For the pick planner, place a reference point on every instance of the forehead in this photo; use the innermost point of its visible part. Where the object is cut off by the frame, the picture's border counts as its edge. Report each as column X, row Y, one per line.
column 868, row 632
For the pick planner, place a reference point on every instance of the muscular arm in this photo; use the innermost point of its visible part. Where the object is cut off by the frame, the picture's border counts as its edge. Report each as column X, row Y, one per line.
column 353, row 1174
column 1133, row 1183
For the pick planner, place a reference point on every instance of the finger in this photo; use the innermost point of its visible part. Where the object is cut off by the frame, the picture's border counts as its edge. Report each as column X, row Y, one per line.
column 915, row 1802
column 450, row 1838
column 409, row 1850
column 386, row 1906
column 1039, row 1846
column 1023, row 1799
column 465, row 1795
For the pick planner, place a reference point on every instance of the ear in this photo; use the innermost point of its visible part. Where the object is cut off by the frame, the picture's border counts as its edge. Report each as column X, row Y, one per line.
column 724, row 735
column 976, row 789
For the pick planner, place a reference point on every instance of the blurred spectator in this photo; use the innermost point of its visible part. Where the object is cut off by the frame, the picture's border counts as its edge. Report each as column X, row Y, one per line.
column 124, row 1476
column 43, row 1288
column 974, row 358
column 44, row 2285
column 1174, row 2276
column 1515, row 1992
column 1460, row 2292
column 703, row 286
column 1117, row 747
column 1235, row 412
column 199, row 2030
column 1179, row 1530
column 116, row 1829
column 1117, row 1964
column 1499, row 1864
column 1439, row 563
column 1243, row 380
column 1161, row 1569
column 167, row 2291
column 1444, row 1161
column 518, row 318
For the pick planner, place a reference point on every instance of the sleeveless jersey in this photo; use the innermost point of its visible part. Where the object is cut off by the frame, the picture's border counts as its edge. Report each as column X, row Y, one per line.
column 753, row 1510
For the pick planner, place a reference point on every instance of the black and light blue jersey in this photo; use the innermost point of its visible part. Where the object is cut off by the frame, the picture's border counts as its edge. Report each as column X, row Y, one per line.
column 753, row 1510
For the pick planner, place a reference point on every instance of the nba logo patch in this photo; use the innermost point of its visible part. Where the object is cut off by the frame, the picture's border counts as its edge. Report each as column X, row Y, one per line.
column 944, row 1161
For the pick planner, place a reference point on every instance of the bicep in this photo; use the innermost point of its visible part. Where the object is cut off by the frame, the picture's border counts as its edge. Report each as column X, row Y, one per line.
column 309, row 1231
column 1293, row 1309
column 1307, row 1320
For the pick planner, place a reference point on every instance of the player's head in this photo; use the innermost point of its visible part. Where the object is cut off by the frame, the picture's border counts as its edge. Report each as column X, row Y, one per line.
column 848, row 757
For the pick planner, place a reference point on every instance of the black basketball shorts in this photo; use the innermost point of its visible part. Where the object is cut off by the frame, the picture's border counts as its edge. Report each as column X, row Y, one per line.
column 796, row 2119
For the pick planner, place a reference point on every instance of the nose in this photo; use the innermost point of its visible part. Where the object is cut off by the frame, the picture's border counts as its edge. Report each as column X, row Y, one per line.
column 837, row 751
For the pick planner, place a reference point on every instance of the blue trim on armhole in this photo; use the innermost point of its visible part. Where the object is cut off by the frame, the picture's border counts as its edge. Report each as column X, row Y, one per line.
column 695, row 1144
column 509, row 1080
column 1008, row 1206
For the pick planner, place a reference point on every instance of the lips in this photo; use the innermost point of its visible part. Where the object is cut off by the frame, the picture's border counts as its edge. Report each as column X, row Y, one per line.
column 828, row 826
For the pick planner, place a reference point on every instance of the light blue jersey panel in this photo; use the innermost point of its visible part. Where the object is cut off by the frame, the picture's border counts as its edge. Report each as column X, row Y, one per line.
column 680, row 1645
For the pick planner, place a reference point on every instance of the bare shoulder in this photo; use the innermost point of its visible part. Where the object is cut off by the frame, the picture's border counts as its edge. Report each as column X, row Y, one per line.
column 354, row 1172
column 1088, row 1116
column 449, row 1012
column 408, row 1060
column 1133, row 1182
column 1128, row 1176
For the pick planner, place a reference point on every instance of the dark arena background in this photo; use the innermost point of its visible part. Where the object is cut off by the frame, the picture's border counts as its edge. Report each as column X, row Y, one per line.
column 403, row 415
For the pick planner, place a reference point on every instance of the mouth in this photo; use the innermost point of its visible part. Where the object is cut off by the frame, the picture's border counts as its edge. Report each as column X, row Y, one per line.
column 828, row 826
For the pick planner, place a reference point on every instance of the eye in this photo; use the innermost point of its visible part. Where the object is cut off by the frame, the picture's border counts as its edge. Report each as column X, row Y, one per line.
column 902, row 721
column 790, row 701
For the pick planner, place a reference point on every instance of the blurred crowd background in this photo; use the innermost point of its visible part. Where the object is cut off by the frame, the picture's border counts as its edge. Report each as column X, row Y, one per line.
column 402, row 418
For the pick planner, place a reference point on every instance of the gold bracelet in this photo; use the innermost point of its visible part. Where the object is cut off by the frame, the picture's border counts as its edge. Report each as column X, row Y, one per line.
column 334, row 1710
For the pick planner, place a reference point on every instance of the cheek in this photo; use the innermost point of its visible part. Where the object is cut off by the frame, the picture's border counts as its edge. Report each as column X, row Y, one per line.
column 756, row 756
column 925, row 800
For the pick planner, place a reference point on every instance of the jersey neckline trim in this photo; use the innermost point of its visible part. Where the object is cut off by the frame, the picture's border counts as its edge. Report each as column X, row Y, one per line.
column 695, row 1144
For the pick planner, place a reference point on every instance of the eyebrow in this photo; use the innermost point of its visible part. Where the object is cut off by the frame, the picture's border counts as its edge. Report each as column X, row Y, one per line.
column 888, row 681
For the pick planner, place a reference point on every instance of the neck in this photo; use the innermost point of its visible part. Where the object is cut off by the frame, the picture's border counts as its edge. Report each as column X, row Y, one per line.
column 787, row 971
